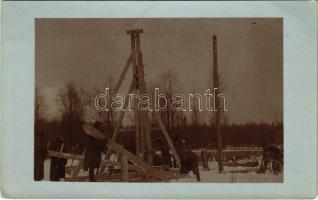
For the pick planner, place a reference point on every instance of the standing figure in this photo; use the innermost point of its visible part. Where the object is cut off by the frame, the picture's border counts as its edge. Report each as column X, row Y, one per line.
column 92, row 159
column 165, row 158
column 189, row 161
column 57, row 168
column 39, row 155
column 273, row 155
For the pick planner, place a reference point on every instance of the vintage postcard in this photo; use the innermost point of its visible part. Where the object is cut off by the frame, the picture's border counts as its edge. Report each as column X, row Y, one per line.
column 173, row 100
column 160, row 100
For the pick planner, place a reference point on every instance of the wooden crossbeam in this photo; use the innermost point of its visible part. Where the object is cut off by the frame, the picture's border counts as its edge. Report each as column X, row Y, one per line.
column 131, row 157
column 58, row 154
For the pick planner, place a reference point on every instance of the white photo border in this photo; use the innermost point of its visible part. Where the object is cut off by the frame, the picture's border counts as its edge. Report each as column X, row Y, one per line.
column 300, row 98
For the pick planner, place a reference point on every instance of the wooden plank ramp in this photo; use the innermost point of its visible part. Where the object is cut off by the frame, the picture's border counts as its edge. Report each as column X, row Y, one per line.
column 157, row 173
column 64, row 155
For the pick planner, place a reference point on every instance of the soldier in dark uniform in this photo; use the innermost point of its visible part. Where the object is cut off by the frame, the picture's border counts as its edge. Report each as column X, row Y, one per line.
column 92, row 159
column 189, row 161
column 39, row 155
column 57, row 168
column 271, row 154
column 129, row 144
column 165, row 157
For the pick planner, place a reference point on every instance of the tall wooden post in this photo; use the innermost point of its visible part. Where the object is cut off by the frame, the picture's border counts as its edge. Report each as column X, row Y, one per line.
column 141, row 90
column 217, row 105
column 124, row 168
column 142, row 118
column 145, row 120
column 142, row 122
column 135, row 88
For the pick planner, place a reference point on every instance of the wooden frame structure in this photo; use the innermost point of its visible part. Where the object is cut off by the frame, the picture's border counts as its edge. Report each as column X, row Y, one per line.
column 143, row 158
column 142, row 118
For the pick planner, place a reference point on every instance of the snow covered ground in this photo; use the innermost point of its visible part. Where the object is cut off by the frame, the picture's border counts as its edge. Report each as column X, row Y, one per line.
column 230, row 175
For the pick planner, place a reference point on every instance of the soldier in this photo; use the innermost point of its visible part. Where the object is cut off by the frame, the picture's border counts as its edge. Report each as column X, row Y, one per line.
column 57, row 168
column 92, row 159
column 189, row 161
column 39, row 156
column 271, row 154
column 165, row 158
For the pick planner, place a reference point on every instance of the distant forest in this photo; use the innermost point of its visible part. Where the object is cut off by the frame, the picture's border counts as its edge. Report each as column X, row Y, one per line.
column 72, row 102
column 197, row 136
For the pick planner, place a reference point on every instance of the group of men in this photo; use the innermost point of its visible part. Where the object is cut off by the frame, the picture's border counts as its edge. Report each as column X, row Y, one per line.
column 94, row 148
column 92, row 157
column 93, row 154
column 272, row 155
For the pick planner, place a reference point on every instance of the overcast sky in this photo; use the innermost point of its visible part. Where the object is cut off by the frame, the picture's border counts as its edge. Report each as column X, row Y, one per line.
column 250, row 54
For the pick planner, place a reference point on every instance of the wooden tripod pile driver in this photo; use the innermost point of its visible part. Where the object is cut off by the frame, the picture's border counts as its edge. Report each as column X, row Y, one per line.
column 144, row 152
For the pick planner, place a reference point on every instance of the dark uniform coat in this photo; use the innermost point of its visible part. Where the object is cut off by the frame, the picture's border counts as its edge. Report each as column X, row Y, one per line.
column 39, row 156
column 189, row 160
column 94, row 148
column 57, row 167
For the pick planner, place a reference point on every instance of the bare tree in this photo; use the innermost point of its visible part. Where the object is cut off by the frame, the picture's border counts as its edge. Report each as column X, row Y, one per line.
column 39, row 136
column 39, row 108
column 170, row 84
column 72, row 102
column 195, row 111
column 108, row 117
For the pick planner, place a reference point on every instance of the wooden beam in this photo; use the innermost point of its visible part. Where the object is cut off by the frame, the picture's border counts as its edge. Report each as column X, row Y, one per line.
column 121, row 117
column 121, row 76
column 124, row 168
column 144, row 114
column 137, row 129
column 167, row 137
column 131, row 157
column 122, row 112
column 217, row 107
column 58, row 154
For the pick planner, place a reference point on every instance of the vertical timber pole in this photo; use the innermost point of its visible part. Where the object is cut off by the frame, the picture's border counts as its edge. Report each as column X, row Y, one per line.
column 135, row 83
column 124, row 168
column 217, row 105
column 145, row 120
column 140, row 91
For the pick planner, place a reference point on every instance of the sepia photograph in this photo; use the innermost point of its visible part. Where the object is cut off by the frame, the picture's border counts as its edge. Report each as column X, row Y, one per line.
column 169, row 100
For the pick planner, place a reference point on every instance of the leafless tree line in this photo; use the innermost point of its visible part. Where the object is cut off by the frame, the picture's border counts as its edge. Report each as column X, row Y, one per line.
column 74, row 102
